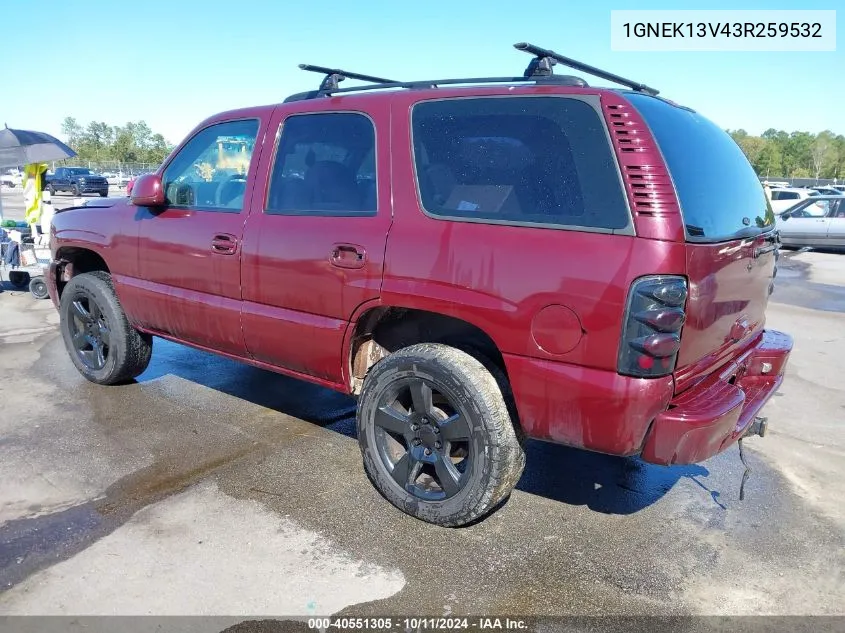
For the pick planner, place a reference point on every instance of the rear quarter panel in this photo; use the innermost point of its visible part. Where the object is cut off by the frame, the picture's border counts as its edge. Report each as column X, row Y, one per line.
column 546, row 293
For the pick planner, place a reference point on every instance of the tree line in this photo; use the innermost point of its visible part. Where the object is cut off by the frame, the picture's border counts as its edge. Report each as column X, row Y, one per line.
column 776, row 153
column 134, row 142
column 773, row 154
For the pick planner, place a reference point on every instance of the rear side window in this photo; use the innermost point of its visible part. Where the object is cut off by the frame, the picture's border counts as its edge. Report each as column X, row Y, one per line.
column 518, row 160
column 784, row 195
column 720, row 195
column 324, row 165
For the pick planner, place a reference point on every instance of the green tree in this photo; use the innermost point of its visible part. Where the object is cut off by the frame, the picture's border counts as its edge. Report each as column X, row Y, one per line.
column 823, row 153
column 124, row 148
column 837, row 167
column 797, row 153
column 770, row 161
column 752, row 147
column 133, row 142
column 158, row 149
column 777, row 141
column 72, row 131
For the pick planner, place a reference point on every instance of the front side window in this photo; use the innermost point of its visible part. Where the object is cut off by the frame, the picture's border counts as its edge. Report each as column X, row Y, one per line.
column 209, row 172
column 519, row 160
column 324, row 165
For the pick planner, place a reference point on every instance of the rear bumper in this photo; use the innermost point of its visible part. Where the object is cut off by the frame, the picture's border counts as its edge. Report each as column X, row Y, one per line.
column 602, row 411
column 709, row 417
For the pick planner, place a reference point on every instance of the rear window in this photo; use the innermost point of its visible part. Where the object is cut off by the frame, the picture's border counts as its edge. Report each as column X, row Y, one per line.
column 784, row 195
column 517, row 160
column 720, row 195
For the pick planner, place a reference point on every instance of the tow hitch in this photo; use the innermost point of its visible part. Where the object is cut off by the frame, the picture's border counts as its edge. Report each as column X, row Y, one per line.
column 757, row 427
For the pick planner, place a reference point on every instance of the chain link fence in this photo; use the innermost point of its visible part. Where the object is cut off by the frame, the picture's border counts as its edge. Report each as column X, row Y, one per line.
column 803, row 182
column 109, row 167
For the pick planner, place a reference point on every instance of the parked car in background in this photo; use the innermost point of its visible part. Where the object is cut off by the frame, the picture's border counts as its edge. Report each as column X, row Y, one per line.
column 78, row 181
column 817, row 222
column 118, row 179
column 785, row 197
column 530, row 258
column 779, row 184
column 11, row 178
column 829, row 191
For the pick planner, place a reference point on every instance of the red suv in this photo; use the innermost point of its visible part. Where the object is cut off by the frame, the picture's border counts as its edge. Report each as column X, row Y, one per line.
column 478, row 260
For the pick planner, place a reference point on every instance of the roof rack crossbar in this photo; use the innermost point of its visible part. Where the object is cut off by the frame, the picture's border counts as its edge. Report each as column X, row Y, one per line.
column 333, row 76
column 432, row 84
column 543, row 64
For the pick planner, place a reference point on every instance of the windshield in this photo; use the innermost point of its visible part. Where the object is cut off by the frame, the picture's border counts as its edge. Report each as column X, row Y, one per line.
column 720, row 195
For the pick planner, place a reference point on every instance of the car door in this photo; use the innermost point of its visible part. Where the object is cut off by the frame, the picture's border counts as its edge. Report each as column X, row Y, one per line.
column 313, row 249
column 836, row 224
column 60, row 180
column 189, row 251
column 804, row 227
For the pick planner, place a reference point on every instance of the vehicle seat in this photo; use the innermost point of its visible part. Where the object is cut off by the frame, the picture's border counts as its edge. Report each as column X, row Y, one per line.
column 441, row 182
column 288, row 194
column 331, row 186
column 231, row 193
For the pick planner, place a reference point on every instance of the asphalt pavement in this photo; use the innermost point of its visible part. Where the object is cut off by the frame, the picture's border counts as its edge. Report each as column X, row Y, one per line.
column 212, row 488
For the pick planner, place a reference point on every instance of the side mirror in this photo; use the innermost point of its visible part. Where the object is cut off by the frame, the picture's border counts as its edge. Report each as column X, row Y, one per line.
column 148, row 191
column 785, row 216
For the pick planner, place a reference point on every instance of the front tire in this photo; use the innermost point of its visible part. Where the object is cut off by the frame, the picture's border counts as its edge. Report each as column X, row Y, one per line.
column 436, row 436
column 102, row 344
column 75, row 191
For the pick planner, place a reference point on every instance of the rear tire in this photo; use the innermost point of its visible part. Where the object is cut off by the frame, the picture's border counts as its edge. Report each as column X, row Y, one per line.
column 19, row 279
column 101, row 343
column 52, row 190
column 38, row 288
column 421, row 409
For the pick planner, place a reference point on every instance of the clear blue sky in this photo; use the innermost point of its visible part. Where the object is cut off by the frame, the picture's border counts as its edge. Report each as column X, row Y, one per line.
column 172, row 63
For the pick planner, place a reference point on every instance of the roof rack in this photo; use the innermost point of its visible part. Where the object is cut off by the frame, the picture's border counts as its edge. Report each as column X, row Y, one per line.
column 560, row 80
column 539, row 71
column 333, row 76
column 541, row 66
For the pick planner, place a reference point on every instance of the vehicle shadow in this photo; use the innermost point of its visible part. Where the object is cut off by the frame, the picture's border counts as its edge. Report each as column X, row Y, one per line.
column 604, row 483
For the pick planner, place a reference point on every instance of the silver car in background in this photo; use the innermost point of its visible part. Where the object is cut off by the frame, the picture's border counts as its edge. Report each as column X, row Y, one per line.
column 818, row 222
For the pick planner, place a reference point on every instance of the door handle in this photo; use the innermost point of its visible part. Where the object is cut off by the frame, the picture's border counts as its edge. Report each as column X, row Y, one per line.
column 224, row 244
column 348, row 256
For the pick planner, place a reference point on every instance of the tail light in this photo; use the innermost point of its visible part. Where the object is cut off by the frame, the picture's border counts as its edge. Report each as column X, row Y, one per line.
column 651, row 335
